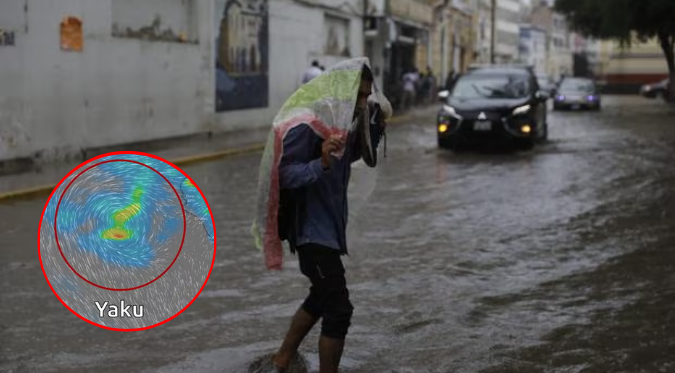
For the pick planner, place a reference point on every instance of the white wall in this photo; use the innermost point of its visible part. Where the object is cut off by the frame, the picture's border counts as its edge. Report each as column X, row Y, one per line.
column 114, row 91
column 121, row 90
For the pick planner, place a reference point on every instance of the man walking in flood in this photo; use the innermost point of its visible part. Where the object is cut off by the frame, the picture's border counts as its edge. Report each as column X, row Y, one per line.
column 318, row 145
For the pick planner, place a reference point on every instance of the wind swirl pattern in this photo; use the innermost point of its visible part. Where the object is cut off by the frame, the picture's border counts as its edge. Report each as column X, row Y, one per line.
column 126, row 211
column 127, row 228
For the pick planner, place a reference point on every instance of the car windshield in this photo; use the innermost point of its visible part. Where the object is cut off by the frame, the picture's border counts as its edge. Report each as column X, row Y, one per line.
column 577, row 86
column 491, row 87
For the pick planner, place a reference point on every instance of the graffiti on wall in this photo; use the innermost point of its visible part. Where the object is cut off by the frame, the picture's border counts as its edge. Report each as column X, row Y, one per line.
column 242, row 52
column 173, row 21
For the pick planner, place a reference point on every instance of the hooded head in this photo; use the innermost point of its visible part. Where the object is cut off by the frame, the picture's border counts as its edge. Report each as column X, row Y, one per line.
column 332, row 99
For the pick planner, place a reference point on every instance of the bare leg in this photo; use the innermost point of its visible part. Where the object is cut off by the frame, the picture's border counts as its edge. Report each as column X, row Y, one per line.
column 301, row 324
column 330, row 353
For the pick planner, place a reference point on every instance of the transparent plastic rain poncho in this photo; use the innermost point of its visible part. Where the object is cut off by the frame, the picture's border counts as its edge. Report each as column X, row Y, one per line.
column 326, row 104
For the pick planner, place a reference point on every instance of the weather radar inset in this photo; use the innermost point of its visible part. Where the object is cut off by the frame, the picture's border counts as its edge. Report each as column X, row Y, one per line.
column 127, row 241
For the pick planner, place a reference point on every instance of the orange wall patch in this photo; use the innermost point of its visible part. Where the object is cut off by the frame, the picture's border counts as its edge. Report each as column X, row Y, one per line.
column 72, row 38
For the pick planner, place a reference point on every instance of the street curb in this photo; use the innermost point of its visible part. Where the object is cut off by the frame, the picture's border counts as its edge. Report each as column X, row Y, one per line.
column 46, row 189
column 199, row 158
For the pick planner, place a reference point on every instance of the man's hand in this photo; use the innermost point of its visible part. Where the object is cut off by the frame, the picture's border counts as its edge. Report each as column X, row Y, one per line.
column 330, row 145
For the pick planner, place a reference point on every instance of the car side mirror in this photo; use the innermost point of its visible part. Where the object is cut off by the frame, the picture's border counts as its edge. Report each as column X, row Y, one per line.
column 543, row 96
column 443, row 95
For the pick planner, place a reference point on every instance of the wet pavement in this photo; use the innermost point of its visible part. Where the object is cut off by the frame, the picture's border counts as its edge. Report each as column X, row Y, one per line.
column 560, row 259
column 45, row 174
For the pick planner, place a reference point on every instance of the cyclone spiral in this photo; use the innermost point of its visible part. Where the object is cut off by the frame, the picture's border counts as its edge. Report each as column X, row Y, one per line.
column 119, row 223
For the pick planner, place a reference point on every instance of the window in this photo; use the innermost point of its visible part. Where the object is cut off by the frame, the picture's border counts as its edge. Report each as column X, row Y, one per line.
column 336, row 36
column 492, row 86
column 155, row 20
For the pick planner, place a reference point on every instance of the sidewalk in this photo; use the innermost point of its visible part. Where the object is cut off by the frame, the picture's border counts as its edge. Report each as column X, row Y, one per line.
column 41, row 180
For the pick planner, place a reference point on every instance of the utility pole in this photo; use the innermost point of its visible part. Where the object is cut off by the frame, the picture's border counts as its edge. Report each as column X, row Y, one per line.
column 493, row 27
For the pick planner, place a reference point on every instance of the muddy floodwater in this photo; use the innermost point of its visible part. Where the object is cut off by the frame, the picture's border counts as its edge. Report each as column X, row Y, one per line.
column 559, row 259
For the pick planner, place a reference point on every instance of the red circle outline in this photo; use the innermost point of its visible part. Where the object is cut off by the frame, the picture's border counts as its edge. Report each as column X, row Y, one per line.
column 56, row 234
column 215, row 242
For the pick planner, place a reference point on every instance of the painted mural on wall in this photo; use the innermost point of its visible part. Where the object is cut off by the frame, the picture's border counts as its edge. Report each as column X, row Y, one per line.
column 242, row 53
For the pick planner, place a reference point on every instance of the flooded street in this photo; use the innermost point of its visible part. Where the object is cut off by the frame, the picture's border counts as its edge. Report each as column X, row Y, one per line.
column 560, row 259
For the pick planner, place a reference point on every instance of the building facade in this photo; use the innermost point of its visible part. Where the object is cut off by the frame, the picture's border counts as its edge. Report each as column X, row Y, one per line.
column 483, row 31
column 398, row 39
column 431, row 35
column 509, row 15
column 507, row 33
column 532, row 50
column 625, row 69
column 127, row 71
column 559, row 58
column 453, row 38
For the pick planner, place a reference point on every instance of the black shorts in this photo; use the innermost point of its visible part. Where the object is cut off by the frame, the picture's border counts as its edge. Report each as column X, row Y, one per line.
column 328, row 295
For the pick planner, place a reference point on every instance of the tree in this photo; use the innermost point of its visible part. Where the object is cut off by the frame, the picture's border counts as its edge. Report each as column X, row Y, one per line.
column 626, row 21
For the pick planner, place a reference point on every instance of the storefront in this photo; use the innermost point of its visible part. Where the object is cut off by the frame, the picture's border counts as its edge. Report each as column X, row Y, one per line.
column 407, row 28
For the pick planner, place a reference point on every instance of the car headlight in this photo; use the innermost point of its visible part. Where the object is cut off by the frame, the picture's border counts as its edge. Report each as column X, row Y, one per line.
column 522, row 110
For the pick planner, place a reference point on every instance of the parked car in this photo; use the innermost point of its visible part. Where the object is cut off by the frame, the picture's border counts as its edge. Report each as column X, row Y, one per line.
column 577, row 93
column 502, row 103
column 656, row 90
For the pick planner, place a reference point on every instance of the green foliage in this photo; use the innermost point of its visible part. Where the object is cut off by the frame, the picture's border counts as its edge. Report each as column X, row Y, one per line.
column 623, row 20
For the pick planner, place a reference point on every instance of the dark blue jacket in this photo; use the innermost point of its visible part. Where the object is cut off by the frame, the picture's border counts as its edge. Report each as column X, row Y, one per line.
column 319, row 196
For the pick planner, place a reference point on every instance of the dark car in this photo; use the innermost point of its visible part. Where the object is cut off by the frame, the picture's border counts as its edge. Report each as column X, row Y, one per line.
column 656, row 90
column 577, row 93
column 493, row 103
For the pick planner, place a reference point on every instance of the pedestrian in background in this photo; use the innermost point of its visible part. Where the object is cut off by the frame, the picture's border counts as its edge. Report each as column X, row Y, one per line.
column 410, row 82
column 312, row 72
